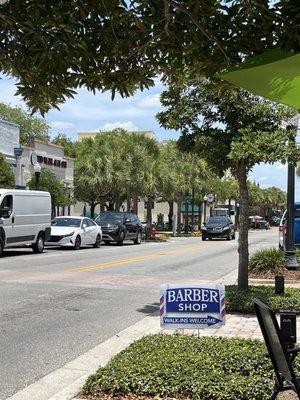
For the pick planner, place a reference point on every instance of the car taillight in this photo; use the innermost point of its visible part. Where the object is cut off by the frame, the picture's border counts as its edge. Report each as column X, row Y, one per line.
column 282, row 228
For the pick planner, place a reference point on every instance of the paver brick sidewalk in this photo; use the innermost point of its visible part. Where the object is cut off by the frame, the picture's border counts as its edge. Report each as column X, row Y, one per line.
column 245, row 326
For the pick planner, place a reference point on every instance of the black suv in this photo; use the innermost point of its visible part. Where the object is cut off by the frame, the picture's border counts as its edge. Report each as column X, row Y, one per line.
column 218, row 227
column 119, row 226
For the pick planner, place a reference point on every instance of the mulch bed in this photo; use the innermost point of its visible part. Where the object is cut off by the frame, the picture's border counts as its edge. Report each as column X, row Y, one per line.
column 289, row 275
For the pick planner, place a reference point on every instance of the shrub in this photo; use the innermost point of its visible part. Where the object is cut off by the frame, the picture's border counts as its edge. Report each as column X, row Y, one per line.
column 241, row 301
column 187, row 367
column 267, row 261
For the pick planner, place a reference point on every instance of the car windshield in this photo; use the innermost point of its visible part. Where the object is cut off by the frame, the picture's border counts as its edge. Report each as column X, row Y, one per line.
column 75, row 222
column 217, row 220
column 110, row 217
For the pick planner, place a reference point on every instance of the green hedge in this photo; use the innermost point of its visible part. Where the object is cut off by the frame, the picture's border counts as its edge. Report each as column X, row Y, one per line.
column 242, row 301
column 206, row 368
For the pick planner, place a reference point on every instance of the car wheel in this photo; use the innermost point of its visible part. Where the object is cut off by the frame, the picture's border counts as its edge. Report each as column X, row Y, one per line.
column 138, row 239
column 228, row 237
column 121, row 238
column 1, row 247
column 77, row 243
column 96, row 245
column 203, row 238
column 38, row 246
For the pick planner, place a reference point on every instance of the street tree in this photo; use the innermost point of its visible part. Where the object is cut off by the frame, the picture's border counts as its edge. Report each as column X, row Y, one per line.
column 231, row 131
column 184, row 173
column 7, row 177
column 68, row 144
column 58, row 190
column 53, row 48
column 30, row 126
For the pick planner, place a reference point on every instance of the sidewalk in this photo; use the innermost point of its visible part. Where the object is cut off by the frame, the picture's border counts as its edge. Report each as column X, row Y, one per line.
column 66, row 382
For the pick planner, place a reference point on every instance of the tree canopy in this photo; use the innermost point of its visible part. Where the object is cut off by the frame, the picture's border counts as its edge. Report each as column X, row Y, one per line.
column 7, row 177
column 30, row 126
column 54, row 47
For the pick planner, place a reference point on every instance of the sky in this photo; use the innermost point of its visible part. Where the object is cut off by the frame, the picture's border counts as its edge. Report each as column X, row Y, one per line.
column 90, row 113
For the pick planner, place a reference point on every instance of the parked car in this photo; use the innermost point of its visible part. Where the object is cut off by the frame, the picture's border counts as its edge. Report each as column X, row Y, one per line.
column 263, row 224
column 282, row 227
column 218, row 227
column 25, row 217
column 74, row 232
column 120, row 226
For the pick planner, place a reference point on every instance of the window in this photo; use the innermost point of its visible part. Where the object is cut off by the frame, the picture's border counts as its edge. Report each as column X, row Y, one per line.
column 90, row 222
column 7, row 205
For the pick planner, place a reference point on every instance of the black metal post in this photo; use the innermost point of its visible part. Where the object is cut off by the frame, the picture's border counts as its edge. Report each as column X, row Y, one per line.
column 37, row 180
column 204, row 212
column 291, row 261
column 193, row 202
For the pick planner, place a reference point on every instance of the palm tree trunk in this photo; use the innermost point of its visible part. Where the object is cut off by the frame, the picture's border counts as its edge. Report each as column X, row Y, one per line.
column 149, row 216
column 243, row 247
column 92, row 208
column 179, row 216
column 171, row 213
column 117, row 202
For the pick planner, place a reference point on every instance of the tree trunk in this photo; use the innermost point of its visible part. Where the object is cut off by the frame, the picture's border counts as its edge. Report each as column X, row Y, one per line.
column 117, row 202
column 171, row 213
column 149, row 216
column 92, row 206
column 243, row 248
column 179, row 216
column 128, row 203
column 135, row 203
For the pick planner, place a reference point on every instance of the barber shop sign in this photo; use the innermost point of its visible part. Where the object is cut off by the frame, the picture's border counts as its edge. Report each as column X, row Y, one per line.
column 192, row 307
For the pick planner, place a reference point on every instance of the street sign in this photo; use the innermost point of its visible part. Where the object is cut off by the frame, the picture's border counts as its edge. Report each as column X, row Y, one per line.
column 18, row 152
column 192, row 307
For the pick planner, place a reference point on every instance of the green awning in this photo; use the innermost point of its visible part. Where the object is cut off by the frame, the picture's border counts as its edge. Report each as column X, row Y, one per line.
column 274, row 75
column 188, row 209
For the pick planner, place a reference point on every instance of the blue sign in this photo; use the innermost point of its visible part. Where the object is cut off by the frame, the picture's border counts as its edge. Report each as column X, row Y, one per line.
column 192, row 306
column 18, row 151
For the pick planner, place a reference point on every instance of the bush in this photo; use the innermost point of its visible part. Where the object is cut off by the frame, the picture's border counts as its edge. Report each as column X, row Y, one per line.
column 187, row 367
column 267, row 261
column 241, row 301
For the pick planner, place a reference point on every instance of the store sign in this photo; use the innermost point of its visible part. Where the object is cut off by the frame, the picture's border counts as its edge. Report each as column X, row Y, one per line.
column 192, row 307
column 51, row 161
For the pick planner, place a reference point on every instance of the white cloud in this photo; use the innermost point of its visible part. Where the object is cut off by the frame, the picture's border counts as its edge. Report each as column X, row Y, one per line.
column 62, row 125
column 151, row 101
column 129, row 126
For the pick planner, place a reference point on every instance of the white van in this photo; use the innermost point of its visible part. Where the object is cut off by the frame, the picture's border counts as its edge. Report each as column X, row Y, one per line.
column 25, row 218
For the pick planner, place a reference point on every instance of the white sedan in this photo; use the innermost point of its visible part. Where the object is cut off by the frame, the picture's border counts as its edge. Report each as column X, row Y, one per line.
column 74, row 232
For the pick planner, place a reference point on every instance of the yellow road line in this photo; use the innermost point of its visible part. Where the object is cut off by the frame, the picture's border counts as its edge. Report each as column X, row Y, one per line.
column 108, row 264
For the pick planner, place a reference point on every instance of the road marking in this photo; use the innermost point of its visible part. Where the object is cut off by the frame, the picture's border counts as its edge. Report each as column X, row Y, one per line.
column 108, row 264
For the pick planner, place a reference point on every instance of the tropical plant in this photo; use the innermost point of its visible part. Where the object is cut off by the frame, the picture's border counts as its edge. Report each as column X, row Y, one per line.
column 267, row 261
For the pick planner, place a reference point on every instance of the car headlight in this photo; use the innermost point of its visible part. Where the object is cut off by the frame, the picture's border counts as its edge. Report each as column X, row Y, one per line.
column 225, row 228
column 69, row 234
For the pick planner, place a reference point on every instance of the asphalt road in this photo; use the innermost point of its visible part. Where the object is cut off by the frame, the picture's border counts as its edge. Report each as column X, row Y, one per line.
column 58, row 305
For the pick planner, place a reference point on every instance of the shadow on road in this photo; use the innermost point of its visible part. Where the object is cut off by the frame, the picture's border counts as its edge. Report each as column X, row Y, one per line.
column 149, row 308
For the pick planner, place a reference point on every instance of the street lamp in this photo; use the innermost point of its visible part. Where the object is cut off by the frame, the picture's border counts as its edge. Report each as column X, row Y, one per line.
column 205, row 198
column 37, row 172
column 237, row 214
